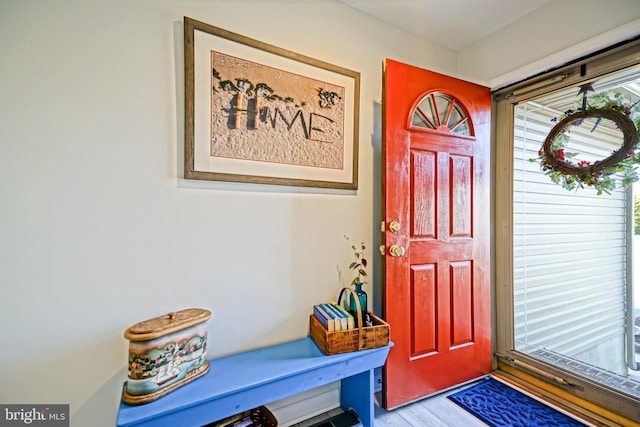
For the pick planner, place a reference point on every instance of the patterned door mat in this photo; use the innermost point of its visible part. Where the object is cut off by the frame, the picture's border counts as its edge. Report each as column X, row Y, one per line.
column 502, row 406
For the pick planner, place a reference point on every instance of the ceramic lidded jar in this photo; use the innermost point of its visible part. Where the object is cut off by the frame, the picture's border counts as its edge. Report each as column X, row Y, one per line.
column 165, row 353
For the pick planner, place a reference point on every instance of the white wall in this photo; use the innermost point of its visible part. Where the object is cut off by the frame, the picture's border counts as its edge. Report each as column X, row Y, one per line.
column 97, row 228
column 557, row 32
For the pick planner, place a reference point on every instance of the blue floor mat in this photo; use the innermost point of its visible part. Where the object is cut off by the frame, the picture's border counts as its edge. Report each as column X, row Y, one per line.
column 502, row 406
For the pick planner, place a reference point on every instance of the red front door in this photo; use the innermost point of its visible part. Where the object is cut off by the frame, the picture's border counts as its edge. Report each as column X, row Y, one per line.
column 436, row 210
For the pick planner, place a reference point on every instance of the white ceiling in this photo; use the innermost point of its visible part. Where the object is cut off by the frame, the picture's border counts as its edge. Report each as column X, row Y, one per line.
column 454, row 24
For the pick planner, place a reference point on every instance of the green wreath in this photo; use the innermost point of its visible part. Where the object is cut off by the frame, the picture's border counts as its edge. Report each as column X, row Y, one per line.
column 616, row 171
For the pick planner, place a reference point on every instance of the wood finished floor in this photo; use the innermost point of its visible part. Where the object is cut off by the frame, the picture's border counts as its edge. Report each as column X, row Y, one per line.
column 435, row 411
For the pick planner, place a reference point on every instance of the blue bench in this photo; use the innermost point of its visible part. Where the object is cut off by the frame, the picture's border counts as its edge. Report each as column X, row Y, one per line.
column 243, row 381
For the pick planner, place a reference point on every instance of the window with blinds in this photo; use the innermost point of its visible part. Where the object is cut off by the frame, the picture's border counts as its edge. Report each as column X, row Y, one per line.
column 569, row 248
column 565, row 260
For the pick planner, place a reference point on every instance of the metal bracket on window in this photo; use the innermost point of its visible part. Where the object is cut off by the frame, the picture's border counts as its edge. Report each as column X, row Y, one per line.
column 535, row 86
column 538, row 372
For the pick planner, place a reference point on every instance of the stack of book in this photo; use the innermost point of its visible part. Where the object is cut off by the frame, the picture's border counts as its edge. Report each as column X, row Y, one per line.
column 334, row 317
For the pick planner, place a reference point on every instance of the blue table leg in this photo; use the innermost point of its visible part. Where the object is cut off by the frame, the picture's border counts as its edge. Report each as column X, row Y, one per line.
column 357, row 392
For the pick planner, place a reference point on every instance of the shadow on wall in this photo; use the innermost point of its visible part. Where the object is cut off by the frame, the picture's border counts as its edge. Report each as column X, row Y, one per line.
column 101, row 409
column 72, row 375
column 378, row 236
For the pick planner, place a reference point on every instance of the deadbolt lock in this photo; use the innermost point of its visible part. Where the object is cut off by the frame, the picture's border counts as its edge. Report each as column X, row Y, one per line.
column 394, row 226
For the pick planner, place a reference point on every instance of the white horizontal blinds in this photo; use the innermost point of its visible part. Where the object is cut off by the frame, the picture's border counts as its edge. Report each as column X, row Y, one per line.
column 569, row 252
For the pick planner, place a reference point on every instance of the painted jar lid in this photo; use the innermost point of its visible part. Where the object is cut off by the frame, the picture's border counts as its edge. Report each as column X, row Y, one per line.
column 163, row 325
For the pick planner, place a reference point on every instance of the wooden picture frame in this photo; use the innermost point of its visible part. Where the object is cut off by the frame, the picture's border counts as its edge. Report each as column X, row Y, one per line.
column 257, row 113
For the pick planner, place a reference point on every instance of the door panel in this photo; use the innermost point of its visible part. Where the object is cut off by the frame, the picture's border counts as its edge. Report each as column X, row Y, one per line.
column 424, row 309
column 461, row 303
column 436, row 185
column 460, row 200
column 423, row 206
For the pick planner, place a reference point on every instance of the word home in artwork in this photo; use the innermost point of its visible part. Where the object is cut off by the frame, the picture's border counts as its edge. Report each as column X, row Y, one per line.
column 265, row 114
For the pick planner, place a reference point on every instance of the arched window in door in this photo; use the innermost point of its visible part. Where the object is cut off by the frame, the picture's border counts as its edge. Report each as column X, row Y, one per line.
column 441, row 112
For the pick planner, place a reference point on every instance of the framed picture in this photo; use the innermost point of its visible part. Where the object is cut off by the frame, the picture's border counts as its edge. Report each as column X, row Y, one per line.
column 261, row 114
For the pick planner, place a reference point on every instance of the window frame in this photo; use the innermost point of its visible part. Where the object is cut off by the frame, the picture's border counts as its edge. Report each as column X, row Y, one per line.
column 504, row 100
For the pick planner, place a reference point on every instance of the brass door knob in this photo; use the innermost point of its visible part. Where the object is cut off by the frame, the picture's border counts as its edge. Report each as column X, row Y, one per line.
column 396, row 250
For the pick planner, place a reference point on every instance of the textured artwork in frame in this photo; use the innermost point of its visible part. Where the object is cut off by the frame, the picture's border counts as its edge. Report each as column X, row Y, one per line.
column 257, row 113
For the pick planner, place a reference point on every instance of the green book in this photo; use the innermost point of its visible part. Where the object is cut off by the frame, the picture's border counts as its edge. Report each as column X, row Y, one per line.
column 334, row 316
column 350, row 319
